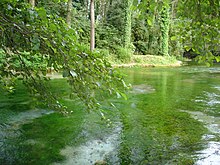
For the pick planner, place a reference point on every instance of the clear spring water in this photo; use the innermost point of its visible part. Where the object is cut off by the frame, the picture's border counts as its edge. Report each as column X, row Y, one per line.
column 144, row 130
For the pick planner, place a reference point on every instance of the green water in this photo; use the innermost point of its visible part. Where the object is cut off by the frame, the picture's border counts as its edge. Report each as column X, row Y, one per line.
column 156, row 119
column 152, row 127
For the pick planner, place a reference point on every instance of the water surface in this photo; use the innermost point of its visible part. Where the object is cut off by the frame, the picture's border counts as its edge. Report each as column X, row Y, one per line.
column 171, row 117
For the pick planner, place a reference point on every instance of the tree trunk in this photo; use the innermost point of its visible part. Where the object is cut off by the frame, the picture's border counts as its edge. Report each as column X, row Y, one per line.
column 69, row 12
column 127, row 40
column 32, row 3
column 164, row 26
column 101, row 11
column 87, row 4
column 92, row 25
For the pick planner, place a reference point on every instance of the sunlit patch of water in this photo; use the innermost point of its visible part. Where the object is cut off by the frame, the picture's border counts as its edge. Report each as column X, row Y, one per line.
column 210, row 98
column 95, row 150
column 27, row 116
column 217, row 87
column 15, row 121
column 211, row 154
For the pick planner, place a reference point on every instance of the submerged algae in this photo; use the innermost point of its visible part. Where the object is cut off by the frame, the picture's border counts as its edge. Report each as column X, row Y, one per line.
column 151, row 128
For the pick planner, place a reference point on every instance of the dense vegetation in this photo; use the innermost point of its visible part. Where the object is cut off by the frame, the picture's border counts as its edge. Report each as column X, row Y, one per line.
column 38, row 35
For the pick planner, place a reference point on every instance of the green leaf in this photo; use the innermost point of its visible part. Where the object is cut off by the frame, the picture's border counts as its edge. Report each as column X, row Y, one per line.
column 217, row 59
column 124, row 84
column 42, row 13
column 73, row 74
column 36, row 47
column 187, row 48
column 53, row 27
column 173, row 38
column 124, row 95
column 208, row 64
column 149, row 21
column 118, row 95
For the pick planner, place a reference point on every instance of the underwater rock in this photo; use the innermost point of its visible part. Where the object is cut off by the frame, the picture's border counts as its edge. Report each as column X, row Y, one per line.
column 100, row 162
column 95, row 150
column 142, row 88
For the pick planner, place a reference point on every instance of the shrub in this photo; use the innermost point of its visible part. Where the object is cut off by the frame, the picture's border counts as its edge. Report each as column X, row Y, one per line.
column 123, row 54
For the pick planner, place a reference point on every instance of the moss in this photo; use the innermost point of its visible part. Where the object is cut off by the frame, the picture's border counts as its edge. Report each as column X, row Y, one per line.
column 159, row 133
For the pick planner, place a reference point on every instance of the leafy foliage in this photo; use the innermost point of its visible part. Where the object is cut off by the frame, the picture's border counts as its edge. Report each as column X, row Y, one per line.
column 33, row 36
column 107, row 37
column 123, row 54
column 200, row 28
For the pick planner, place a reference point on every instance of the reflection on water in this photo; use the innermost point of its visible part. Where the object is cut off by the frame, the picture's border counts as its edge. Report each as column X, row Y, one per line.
column 211, row 99
column 211, row 122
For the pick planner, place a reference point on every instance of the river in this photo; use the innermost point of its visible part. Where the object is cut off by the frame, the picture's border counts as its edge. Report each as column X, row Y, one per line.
column 172, row 116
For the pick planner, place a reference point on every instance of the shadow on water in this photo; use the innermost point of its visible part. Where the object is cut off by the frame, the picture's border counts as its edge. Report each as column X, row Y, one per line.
column 17, row 109
column 11, row 132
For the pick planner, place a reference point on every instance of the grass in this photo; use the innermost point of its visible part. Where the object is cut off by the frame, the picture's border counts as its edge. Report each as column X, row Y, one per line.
column 148, row 61
column 154, row 60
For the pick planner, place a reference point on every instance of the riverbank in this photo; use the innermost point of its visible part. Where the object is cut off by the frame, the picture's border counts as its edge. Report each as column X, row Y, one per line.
column 149, row 61
column 135, row 61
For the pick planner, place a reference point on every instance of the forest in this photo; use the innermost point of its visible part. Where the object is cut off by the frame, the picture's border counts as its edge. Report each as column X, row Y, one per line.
column 62, row 84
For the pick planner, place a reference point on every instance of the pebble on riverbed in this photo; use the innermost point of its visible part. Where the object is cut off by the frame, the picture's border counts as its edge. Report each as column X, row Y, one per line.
column 100, row 162
column 142, row 88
